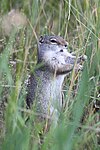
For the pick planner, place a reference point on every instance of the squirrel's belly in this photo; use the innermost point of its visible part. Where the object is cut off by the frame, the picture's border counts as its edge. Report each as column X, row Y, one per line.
column 49, row 99
column 49, row 103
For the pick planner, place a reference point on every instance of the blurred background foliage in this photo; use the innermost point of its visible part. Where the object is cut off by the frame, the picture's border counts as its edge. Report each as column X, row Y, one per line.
column 21, row 24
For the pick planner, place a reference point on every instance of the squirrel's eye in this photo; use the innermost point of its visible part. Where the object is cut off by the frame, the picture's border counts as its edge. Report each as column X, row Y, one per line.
column 53, row 41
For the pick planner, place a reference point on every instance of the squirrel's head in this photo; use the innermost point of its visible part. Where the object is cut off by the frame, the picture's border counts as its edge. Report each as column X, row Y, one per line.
column 53, row 53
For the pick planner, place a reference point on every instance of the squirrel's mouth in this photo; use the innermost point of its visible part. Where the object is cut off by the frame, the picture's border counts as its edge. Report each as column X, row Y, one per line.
column 62, row 63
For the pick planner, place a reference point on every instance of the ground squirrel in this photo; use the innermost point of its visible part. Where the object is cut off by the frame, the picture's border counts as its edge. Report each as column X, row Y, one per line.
column 45, row 84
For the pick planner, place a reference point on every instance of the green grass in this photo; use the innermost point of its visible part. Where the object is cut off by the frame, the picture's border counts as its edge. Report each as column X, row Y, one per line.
column 79, row 125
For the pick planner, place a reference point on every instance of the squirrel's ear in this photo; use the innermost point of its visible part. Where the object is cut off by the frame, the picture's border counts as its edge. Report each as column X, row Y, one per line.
column 41, row 40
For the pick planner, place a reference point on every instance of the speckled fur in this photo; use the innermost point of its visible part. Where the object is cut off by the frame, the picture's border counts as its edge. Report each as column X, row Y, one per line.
column 45, row 84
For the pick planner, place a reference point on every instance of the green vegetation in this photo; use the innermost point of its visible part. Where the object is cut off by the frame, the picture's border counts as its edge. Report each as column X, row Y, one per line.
column 79, row 124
